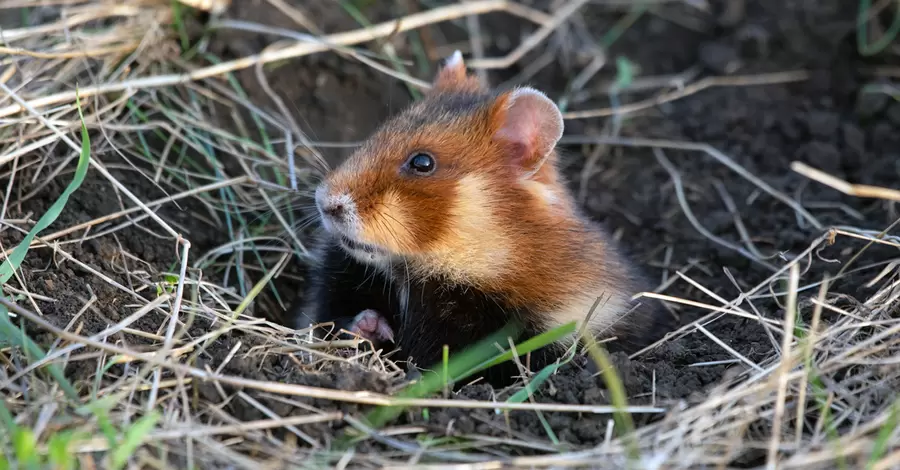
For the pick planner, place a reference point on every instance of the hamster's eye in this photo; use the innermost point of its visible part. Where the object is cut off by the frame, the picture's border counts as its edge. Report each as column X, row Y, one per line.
column 421, row 163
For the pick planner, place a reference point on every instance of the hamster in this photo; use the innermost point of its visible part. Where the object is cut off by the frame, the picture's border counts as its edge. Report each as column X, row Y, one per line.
column 453, row 219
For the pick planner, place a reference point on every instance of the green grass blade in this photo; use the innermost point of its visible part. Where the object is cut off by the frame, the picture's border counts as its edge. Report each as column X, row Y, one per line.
column 529, row 390
column 58, row 451
column 178, row 18
column 6, row 418
column 25, row 448
column 528, row 346
column 533, row 384
column 625, row 73
column 15, row 259
column 884, row 435
column 354, row 12
column 8, row 330
column 618, row 397
column 433, row 381
column 106, row 427
column 134, row 437
column 474, row 359
column 862, row 30
column 16, row 336
column 461, row 362
column 613, row 34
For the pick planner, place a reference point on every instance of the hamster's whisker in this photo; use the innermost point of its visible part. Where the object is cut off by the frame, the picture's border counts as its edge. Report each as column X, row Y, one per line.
column 390, row 227
column 396, row 222
column 309, row 208
column 260, row 216
column 304, row 222
column 303, row 194
column 404, row 311
column 318, row 163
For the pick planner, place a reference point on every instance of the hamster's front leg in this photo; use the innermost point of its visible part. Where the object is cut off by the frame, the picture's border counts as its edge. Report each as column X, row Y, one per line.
column 373, row 326
column 352, row 295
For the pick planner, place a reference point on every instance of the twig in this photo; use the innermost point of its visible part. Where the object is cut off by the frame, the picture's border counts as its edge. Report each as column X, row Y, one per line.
column 686, row 328
column 532, row 40
column 790, row 314
column 682, row 200
column 858, row 190
column 709, row 82
column 106, row 218
column 299, row 49
column 180, row 432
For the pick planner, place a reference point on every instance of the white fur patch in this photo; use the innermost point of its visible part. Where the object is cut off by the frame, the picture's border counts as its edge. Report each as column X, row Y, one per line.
column 376, row 259
column 610, row 309
column 542, row 192
column 477, row 248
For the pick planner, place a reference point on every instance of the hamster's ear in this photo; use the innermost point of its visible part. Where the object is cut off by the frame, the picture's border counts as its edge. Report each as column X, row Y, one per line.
column 452, row 76
column 528, row 125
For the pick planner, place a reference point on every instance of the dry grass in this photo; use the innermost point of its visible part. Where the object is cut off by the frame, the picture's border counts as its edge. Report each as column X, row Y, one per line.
column 837, row 372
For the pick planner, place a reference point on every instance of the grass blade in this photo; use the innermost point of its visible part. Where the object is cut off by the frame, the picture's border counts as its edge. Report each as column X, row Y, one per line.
column 9, row 331
column 617, row 395
column 477, row 358
column 528, row 346
column 134, row 437
column 18, row 255
column 58, row 451
column 862, row 30
column 25, row 448
column 533, row 384
column 884, row 435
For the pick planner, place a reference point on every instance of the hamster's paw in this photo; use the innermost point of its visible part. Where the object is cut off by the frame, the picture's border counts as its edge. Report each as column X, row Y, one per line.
column 372, row 326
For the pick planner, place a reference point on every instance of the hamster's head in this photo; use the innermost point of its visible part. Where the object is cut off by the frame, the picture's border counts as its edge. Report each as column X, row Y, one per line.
column 447, row 181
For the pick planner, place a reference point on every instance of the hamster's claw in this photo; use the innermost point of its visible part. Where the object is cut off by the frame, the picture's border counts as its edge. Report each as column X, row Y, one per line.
column 372, row 326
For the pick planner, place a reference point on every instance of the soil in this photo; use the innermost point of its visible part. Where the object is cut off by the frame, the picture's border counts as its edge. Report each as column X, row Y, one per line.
column 826, row 121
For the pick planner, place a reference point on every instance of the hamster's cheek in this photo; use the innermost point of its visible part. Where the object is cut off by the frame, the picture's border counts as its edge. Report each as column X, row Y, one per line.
column 388, row 225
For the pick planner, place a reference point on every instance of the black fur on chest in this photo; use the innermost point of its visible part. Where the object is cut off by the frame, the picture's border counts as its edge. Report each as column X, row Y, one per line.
column 435, row 313
column 337, row 288
column 459, row 316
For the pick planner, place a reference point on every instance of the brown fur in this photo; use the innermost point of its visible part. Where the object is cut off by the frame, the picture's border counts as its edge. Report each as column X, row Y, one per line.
column 476, row 221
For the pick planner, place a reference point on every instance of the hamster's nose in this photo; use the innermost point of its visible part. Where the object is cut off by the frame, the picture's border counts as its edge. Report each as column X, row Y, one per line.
column 334, row 210
column 329, row 206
